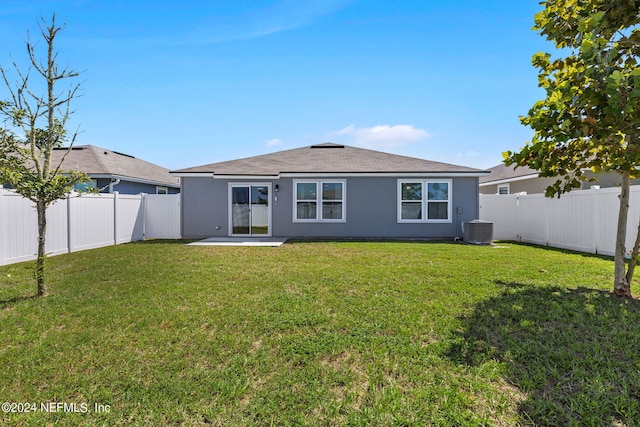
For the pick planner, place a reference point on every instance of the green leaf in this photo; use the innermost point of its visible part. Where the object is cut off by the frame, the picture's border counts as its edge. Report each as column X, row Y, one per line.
column 595, row 20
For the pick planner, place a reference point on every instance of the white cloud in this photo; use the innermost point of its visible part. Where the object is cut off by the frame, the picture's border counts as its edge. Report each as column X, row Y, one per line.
column 214, row 22
column 382, row 136
column 274, row 142
column 275, row 16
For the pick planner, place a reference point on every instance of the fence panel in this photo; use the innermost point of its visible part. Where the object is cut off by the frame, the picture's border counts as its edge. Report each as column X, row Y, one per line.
column 162, row 216
column 607, row 205
column 532, row 211
column 84, row 222
column 57, row 240
column 19, row 228
column 92, row 219
column 129, row 218
column 570, row 222
column 503, row 211
column 582, row 220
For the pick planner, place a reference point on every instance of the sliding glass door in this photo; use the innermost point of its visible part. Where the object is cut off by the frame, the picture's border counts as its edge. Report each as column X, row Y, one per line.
column 250, row 210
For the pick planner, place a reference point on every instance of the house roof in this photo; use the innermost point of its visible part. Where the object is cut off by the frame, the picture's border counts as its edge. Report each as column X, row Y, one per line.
column 95, row 161
column 508, row 173
column 327, row 158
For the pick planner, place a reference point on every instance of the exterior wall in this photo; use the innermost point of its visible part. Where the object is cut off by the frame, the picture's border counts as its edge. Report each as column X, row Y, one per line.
column 529, row 186
column 371, row 209
column 204, row 207
column 605, row 180
column 128, row 187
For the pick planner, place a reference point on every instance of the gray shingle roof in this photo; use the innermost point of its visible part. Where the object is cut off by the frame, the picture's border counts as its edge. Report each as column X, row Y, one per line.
column 502, row 172
column 327, row 158
column 94, row 160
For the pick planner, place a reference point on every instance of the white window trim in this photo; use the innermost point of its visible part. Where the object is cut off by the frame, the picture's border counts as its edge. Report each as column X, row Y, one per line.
column 161, row 188
column 319, row 200
column 507, row 185
column 424, row 219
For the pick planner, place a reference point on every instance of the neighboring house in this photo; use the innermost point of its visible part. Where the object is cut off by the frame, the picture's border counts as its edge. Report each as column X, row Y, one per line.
column 509, row 180
column 328, row 190
column 112, row 171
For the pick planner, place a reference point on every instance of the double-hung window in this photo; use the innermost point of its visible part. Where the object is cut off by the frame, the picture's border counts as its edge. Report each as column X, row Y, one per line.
column 319, row 201
column 423, row 200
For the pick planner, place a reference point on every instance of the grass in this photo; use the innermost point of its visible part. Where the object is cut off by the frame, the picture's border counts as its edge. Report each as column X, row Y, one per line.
column 321, row 334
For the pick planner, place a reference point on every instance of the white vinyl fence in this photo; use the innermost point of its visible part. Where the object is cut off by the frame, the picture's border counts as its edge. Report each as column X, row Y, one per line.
column 582, row 220
column 85, row 222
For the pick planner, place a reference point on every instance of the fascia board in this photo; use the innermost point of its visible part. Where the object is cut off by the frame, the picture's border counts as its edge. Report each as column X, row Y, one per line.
column 508, row 180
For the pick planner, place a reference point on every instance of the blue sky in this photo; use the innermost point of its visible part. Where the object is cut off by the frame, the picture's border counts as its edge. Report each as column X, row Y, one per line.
column 187, row 83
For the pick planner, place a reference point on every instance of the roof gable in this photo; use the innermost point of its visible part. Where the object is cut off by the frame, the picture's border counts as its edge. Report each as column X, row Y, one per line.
column 326, row 158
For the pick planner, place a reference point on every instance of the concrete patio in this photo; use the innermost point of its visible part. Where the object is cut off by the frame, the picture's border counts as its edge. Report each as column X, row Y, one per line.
column 241, row 241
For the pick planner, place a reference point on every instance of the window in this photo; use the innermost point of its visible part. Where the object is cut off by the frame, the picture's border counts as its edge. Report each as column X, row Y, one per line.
column 411, row 200
column 503, row 189
column 162, row 190
column 86, row 185
column 424, row 201
column 319, row 201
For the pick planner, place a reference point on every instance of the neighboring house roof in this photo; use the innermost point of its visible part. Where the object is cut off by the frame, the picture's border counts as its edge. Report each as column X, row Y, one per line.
column 100, row 162
column 502, row 173
column 327, row 158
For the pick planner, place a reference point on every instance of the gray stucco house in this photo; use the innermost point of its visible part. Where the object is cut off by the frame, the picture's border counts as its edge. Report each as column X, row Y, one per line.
column 328, row 190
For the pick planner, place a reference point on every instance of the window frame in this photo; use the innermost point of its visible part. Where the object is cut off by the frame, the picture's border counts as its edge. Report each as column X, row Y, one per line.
column 507, row 186
column 319, row 201
column 424, row 202
column 162, row 190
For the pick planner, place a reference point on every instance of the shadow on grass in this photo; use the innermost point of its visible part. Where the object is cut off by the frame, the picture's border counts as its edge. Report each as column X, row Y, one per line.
column 554, row 249
column 574, row 354
column 6, row 303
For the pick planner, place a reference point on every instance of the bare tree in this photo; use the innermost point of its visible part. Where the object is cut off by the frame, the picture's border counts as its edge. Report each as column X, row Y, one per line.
column 33, row 126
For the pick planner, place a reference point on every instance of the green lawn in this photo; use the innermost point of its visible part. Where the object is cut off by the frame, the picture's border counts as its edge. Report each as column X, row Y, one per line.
column 320, row 334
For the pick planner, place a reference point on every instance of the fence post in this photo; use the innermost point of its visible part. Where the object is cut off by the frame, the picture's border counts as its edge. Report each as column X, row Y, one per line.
column 69, row 223
column 546, row 206
column 115, row 217
column 595, row 241
column 3, row 230
column 518, row 235
column 143, row 202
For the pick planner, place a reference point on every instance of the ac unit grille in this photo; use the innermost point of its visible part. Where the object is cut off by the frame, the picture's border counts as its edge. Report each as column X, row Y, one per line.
column 477, row 232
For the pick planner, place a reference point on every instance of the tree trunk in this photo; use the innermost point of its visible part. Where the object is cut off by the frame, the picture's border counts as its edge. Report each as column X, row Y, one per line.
column 621, row 286
column 41, row 208
column 634, row 257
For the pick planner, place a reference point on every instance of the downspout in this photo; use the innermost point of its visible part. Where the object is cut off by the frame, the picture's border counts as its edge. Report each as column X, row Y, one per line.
column 113, row 183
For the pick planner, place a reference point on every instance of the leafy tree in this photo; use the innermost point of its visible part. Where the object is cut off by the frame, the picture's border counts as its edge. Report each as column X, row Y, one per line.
column 590, row 118
column 34, row 126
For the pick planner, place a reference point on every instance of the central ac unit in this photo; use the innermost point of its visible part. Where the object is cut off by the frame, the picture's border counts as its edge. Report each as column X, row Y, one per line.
column 477, row 232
